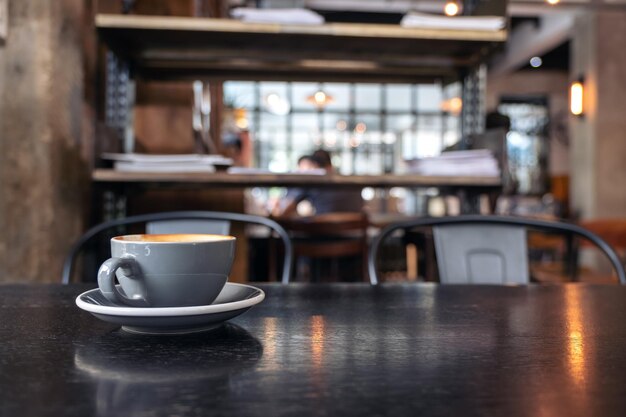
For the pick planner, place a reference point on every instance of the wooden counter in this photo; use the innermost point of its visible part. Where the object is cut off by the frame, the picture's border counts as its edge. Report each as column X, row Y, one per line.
column 112, row 177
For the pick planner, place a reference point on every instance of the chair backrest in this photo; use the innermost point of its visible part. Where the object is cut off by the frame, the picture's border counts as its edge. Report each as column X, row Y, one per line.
column 329, row 235
column 168, row 217
column 481, row 254
column 211, row 227
column 492, row 255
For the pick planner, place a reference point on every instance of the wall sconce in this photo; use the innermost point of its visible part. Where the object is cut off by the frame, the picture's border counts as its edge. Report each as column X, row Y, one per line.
column 451, row 8
column 576, row 96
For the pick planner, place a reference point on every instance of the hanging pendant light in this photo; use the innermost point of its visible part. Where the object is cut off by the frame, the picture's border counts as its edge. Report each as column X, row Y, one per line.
column 320, row 99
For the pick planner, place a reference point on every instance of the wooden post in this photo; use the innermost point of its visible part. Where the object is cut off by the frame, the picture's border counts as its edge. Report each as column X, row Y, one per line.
column 46, row 128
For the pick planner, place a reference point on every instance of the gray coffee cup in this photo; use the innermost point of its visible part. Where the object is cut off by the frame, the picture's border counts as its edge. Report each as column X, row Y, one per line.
column 173, row 270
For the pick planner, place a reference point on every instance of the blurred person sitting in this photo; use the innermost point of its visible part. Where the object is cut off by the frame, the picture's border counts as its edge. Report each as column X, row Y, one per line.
column 323, row 200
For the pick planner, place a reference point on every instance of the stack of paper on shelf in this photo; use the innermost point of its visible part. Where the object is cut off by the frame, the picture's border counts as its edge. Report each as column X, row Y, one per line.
column 282, row 16
column 133, row 162
column 429, row 21
column 248, row 171
column 474, row 163
column 261, row 171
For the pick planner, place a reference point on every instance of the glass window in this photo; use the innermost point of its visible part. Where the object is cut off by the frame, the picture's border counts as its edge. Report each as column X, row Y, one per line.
column 279, row 88
column 409, row 145
column 367, row 97
column 360, row 163
column 272, row 121
column 301, row 93
column 340, row 94
column 337, row 122
column 359, row 125
column 428, row 143
column 398, row 97
column 400, row 123
column 431, row 123
column 429, row 98
column 279, row 161
column 239, row 94
column 274, row 98
column 452, row 130
column 306, row 130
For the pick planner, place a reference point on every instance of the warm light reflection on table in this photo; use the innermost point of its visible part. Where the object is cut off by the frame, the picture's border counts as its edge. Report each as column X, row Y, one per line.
column 269, row 337
column 317, row 340
column 576, row 345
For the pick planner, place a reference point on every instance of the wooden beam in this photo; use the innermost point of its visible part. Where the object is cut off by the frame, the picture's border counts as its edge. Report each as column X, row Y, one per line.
column 209, row 25
column 206, row 47
column 528, row 41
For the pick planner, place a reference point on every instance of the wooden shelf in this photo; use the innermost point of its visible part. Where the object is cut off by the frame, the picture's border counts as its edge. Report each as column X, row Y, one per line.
column 185, row 48
column 110, row 176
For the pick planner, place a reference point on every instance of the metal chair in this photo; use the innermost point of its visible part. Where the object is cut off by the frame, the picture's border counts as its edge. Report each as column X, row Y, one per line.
column 174, row 216
column 486, row 249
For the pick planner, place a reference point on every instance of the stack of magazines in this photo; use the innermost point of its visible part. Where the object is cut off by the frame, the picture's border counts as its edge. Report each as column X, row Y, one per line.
column 472, row 163
column 134, row 162
column 282, row 16
column 429, row 21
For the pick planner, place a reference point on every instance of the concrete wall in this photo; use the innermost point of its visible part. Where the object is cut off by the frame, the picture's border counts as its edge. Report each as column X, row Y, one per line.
column 46, row 121
column 599, row 138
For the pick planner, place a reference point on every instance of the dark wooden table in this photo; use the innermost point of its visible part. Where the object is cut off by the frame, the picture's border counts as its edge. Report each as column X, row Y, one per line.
column 327, row 350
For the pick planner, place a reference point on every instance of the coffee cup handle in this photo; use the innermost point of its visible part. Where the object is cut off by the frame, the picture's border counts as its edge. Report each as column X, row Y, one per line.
column 106, row 281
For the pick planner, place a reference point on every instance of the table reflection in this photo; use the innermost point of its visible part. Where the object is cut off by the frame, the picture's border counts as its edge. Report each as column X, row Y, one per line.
column 133, row 372
column 575, row 331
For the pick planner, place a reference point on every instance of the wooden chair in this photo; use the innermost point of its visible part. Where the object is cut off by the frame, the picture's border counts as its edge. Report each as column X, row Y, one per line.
column 168, row 219
column 487, row 249
column 329, row 236
column 613, row 232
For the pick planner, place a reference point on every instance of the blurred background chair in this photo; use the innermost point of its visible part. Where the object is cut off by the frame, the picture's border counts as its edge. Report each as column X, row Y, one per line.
column 487, row 249
column 612, row 231
column 211, row 227
column 582, row 263
column 170, row 222
column 334, row 243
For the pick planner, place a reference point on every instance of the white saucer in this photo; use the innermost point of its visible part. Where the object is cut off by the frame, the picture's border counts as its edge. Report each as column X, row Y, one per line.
column 234, row 300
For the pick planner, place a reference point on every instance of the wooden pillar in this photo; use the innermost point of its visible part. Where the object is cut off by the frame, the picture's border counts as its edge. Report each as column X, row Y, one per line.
column 46, row 129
